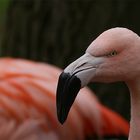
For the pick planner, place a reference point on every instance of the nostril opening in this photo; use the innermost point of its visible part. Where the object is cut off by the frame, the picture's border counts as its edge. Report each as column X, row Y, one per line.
column 81, row 65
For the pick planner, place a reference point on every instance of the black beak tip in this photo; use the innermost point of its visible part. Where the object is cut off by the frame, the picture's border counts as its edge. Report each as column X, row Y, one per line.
column 67, row 89
column 61, row 121
column 61, row 118
column 61, row 115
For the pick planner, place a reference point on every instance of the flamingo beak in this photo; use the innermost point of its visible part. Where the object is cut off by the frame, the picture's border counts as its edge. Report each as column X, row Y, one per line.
column 68, row 88
column 77, row 75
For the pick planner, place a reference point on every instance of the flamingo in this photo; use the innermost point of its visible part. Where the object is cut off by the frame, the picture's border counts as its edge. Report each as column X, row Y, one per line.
column 112, row 56
column 27, row 106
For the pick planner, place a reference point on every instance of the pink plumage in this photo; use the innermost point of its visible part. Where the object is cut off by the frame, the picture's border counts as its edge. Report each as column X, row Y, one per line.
column 28, row 111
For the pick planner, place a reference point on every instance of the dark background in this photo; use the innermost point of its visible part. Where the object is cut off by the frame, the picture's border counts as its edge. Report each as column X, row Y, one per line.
column 59, row 31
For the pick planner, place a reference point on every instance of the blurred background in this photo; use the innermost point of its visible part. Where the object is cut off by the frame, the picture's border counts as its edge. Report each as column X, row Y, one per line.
column 59, row 31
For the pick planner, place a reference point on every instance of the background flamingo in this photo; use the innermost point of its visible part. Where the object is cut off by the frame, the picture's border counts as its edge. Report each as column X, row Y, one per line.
column 113, row 56
column 28, row 112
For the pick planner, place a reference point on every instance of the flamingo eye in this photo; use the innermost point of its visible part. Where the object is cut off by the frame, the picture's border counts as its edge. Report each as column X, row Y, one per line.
column 113, row 53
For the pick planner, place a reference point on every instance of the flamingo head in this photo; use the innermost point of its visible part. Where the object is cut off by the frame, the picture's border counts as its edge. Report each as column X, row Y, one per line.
column 112, row 56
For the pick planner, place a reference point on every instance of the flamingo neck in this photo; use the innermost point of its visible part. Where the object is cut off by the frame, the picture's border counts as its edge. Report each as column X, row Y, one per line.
column 134, row 88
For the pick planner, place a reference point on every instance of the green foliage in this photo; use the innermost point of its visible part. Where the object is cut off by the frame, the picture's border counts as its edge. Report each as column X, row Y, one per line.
column 3, row 9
